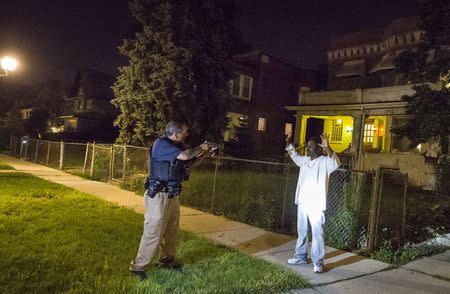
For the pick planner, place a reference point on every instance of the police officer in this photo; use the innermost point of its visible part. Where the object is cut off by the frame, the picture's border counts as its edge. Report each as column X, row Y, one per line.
column 168, row 163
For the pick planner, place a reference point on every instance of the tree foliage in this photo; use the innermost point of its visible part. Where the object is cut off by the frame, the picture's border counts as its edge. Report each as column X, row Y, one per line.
column 430, row 111
column 36, row 125
column 48, row 96
column 429, row 107
column 179, row 68
column 242, row 145
column 47, row 100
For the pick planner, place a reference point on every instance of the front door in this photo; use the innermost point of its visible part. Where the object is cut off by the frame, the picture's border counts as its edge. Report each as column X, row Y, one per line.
column 314, row 127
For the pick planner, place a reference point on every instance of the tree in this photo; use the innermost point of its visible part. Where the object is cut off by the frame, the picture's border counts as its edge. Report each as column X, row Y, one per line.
column 36, row 125
column 47, row 101
column 48, row 96
column 429, row 107
column 179, row 68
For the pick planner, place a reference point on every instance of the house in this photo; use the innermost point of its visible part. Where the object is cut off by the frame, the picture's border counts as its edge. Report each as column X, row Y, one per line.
column 363, row 102
column 262, row 86
column 88, row 112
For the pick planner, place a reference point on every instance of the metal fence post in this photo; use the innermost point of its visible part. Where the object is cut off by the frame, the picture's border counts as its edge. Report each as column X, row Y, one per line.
column 214, row 184
column 405, row 191
column 36, row 153
column 91, row 172
column 26, row 149
column 11, row 144
column 85, row 157
column 21, row 148
column 61, row 155
column 380, row 194
column 48, row 152
column 124, row 163
column 111, row 158
column 283, row 213
column 15, row 145
column 373, row 211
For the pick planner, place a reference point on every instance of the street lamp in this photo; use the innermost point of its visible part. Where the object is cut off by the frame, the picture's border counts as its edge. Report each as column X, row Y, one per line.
column 8, row 64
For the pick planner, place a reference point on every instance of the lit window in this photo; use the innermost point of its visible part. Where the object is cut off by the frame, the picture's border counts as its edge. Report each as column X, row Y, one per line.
column 288, row 129
column 369, row 132
column 262, row 124
column 72, row 124
column 336, row 131
column 241, row 86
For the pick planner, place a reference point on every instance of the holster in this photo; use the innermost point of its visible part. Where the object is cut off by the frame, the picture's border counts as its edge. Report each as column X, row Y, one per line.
column 174, row 190
column 155, row 186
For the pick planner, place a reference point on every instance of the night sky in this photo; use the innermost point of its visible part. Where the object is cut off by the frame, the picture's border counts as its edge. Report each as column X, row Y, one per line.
column 52, row 38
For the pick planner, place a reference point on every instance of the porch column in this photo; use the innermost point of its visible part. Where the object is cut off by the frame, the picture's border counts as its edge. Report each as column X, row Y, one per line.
column 388, row 134
column 358, row 137
column 357, row 132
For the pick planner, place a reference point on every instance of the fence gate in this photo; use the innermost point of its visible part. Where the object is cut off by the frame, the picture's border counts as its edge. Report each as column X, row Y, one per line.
column 388, row 209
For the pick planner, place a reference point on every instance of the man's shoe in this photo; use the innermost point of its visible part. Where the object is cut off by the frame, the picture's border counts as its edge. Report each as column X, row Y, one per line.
column 297, row 260
column 140, row 274
column 318, row 268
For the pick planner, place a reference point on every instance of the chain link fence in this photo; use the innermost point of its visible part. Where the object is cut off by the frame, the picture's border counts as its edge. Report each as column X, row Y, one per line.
column 348, row 206
column 255, row 192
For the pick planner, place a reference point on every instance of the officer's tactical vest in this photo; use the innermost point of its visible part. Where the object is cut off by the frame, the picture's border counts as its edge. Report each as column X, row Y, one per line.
column 172, row 172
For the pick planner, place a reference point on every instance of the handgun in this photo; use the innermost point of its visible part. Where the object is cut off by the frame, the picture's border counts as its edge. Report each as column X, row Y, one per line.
column 214, row 146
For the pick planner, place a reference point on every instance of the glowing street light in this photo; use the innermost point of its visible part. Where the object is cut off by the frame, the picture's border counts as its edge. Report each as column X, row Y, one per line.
column 8, row 64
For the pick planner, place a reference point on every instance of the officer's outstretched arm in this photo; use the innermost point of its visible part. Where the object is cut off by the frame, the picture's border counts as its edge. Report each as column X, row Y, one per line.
column 189, row 154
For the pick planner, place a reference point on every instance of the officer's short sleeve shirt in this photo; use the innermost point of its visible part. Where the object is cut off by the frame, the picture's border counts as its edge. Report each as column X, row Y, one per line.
column 165, row 150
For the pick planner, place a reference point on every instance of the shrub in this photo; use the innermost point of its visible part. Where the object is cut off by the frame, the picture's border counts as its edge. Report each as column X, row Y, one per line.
column 135, row 183
column 427, row 213
column 341, row 229
column 406, row 253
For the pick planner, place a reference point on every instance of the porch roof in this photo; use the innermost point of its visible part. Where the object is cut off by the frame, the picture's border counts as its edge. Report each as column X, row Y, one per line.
column 356, row 106
column 351, row 68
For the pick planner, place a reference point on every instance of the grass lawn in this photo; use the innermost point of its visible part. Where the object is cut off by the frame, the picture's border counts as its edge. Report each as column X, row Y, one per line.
column 55, row 239
column 4, row 166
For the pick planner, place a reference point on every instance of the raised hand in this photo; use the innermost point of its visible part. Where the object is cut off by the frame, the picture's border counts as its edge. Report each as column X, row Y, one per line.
column 288, row 140
column 325, row 143
column 204, row 147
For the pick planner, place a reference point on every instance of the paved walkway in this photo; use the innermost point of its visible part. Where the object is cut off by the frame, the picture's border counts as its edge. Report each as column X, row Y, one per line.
column 346, row 272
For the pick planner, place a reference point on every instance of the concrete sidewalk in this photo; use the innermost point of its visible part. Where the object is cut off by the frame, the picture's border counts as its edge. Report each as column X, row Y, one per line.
column 345, row 272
